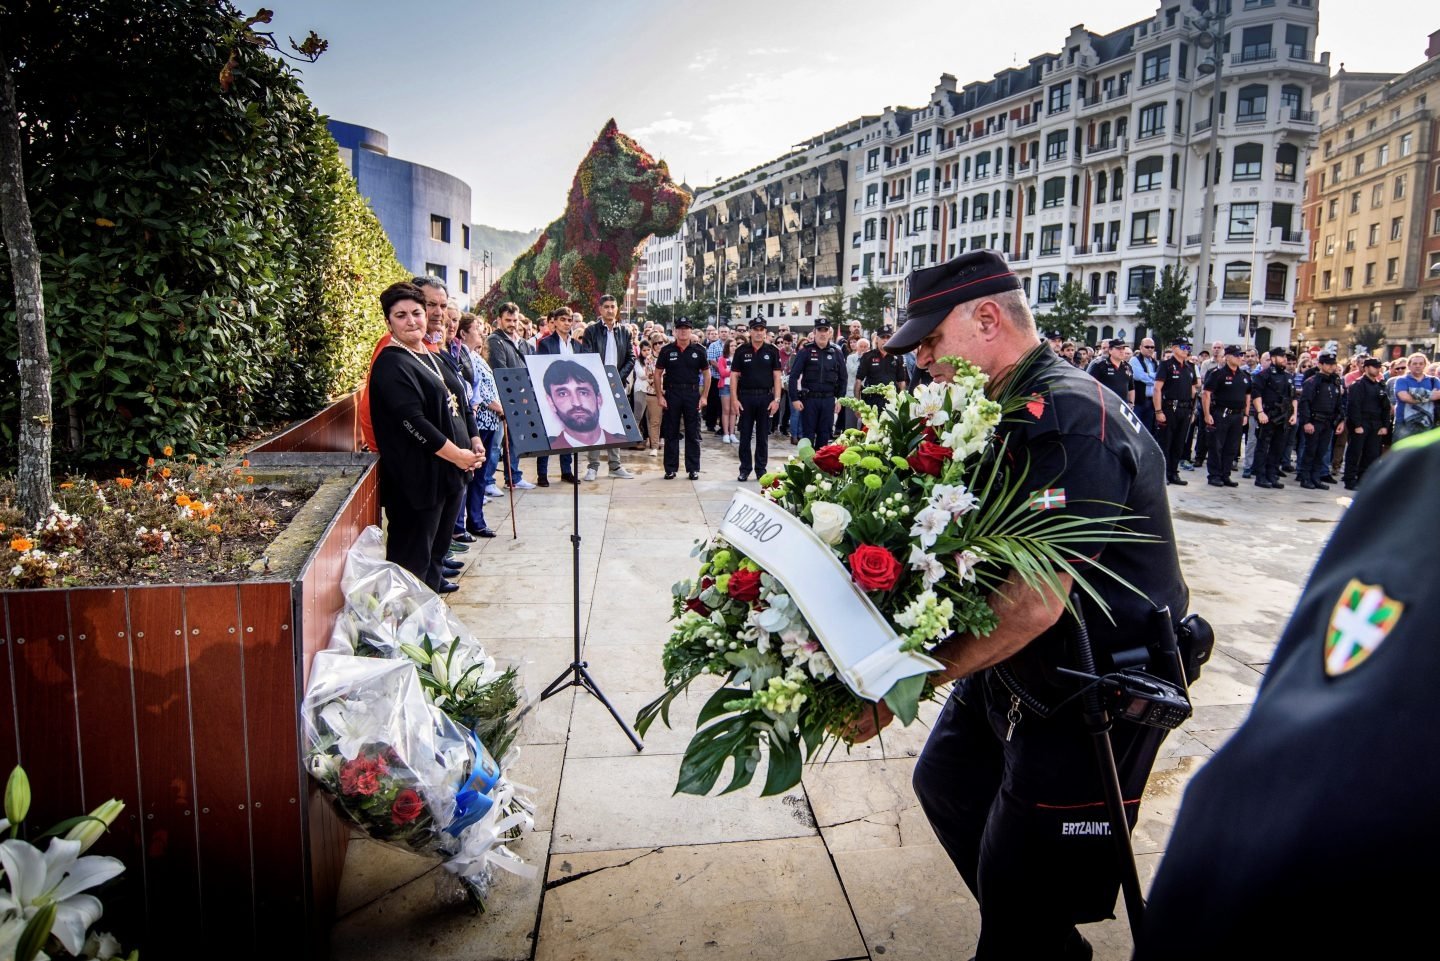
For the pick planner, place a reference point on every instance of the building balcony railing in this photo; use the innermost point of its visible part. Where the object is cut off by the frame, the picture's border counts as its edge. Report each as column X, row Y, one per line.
column 1097, row 248
column 1049, row 252
column 1028, row 167
column 1057, row 160
column 1259, row 54
column 895, row 201
column 1022, row 124
column 948, row 146
column 1145, row 135
column 1106, row 146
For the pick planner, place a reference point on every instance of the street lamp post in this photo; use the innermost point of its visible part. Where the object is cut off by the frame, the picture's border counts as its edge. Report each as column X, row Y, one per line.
column 1211, row 36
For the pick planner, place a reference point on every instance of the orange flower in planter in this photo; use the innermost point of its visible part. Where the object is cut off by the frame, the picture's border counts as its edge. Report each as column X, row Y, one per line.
column 66, row 486
column 213, row 528
column 168, row 451
column 245, row 463
column 125, row 483
column 183, row 500
column 164, row 472
column 250, row 479
column 149, row 462
column 21, row 544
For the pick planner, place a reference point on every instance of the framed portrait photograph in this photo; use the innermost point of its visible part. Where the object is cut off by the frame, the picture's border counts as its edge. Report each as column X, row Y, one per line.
column 576, row 403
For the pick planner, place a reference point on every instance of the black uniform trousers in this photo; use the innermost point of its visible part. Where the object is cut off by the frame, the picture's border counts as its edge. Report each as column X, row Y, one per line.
column 712, row 404
column 1315, row 463
column 755, row 419
column 817, row 419
column 418, row 538
column 1269, row 447
column 1174, row 437
column 681, row 404
column 1224, row 440
column 1025, row 820
column 1362, row 451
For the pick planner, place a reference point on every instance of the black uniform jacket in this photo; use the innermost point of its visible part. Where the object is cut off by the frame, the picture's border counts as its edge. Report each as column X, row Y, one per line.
column 1367, row 404
column 823, row 371
column 1119, row 379
column 1322, row 399
column 1275, row 388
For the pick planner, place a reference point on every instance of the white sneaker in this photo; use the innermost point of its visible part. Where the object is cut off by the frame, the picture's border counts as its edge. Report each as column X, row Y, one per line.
column 622, row 472
column 654, row 452
column 493, row 491
column 592, row 474
column 524, row 485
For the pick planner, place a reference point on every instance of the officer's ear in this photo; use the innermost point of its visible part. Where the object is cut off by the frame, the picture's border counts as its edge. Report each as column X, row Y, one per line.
column 989, row 319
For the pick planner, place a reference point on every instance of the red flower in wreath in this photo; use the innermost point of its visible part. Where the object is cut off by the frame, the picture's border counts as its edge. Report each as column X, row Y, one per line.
column 745, row 585
column 360, row 776
column 874, row 568
column 407, row 807
column 929, row 458
column 698, row 606
column 827, row 458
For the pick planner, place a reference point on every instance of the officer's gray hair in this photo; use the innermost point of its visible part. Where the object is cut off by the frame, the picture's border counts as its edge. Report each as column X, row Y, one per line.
column 1015, row 305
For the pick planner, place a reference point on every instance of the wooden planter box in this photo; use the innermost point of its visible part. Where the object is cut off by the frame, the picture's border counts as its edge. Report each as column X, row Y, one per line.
column 183, row 701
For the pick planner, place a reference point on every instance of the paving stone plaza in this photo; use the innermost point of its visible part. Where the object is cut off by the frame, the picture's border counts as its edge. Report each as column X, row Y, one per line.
column 626, row 870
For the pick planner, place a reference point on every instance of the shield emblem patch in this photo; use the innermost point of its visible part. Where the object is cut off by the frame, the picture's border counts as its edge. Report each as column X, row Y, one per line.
column 1363, row 617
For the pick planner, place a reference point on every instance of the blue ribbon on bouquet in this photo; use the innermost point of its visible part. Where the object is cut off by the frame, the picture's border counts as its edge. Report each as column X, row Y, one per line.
column 472, row 802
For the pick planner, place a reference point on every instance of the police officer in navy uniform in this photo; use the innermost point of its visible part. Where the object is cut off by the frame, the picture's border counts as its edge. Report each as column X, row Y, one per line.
column 1321, row 412
column 1368, row 415
column 1275, row 411
column 1008, row 777
column 1225, row 399
column 1310, row 832
column 755, row 369
column 1174, row 405
column 1111, row 370
column 879, row 366
column 684, row 373
column 821, row 368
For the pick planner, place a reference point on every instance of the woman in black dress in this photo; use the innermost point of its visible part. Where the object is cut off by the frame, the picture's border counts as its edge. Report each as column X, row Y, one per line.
column 427, row 433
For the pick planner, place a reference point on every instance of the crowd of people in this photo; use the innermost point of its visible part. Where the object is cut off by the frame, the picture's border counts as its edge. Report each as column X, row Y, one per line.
column 1267, row 414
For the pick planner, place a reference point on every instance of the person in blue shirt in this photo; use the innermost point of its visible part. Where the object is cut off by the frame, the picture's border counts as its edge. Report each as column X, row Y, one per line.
column 1415, row 396
column 1143, row 368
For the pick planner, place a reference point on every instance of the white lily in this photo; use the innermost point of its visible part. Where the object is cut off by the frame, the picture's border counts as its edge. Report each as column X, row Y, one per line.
column 929, row 566
column 353, row 726
column 930, row 523
column 12, row 925
column 955, row 499
column 58, row 876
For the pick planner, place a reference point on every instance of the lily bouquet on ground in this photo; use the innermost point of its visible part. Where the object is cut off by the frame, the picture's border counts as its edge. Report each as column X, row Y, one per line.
column 829, row 593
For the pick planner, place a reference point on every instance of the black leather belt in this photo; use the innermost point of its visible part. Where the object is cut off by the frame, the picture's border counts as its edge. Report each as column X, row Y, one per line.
column 817, row 395
column 766, row 391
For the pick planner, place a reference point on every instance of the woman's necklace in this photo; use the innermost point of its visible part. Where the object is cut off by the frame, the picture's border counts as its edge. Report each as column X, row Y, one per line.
column 428, row 361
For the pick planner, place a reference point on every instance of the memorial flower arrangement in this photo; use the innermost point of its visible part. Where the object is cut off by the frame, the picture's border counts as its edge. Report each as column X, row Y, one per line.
column 925, row 514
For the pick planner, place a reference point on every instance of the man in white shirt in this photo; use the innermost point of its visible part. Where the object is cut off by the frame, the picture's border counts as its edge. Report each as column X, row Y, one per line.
column 612, row 342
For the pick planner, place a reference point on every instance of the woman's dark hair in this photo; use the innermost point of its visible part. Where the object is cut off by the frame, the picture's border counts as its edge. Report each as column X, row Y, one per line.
column 395, row 293
column 467, row 320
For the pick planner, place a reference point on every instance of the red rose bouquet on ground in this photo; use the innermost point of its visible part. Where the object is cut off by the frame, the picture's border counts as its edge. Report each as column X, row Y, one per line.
column 922, row 515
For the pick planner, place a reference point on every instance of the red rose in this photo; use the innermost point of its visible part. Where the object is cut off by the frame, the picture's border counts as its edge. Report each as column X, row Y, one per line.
column 827, row 458
column 698, row 606
column 745, row 585
column 706, row 583
column 874, row 568
column 929, row 458
column 930, row 435
column 407, row 807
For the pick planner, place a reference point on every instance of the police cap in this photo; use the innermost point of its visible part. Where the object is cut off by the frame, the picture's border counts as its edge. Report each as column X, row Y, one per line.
column 1373, row 362
column 934, row 291
column 822, row 322
column 886, row 332
column 757, row 323
column 682, row 322
column 1233, row 350
column 1325, row 359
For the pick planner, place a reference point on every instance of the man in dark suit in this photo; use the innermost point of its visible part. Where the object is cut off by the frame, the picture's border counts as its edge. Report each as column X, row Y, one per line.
column 611, row 341
column 507, row 350
column 575, row 397
column 558, row 342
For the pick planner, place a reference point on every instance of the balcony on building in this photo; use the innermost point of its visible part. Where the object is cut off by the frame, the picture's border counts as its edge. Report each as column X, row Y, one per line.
column 1114, row 144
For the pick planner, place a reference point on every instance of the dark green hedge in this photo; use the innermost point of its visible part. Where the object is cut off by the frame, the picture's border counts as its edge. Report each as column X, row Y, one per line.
column 209, row 266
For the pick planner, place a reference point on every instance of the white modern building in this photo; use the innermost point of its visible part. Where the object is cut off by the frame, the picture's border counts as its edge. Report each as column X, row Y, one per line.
column 664, row 260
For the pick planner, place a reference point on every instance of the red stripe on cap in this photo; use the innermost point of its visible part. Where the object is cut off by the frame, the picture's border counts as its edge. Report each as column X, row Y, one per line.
column 951, row 290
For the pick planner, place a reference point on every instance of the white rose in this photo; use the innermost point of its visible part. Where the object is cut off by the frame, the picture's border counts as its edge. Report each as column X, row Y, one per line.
column 829, row 521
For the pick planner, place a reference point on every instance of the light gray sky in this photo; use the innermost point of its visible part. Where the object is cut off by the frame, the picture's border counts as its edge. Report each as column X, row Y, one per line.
column 508, row 96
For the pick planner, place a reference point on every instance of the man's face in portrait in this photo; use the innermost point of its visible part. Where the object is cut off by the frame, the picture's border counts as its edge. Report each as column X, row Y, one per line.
column 577, row 404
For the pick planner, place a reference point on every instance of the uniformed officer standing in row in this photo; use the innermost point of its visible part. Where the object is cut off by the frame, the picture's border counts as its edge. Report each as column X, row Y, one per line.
column 1368, row 417
column 1224, row 401
column 684, row 380
column 1014, row 792
column 1275, row 409
column 1113, row 371
column 878, row 366
column 821, row 368
column 1174, row 401
column 755, row 370
column 1321, row 413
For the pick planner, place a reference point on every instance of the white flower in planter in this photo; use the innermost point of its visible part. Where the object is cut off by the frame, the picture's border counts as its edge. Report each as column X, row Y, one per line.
column 57, row 875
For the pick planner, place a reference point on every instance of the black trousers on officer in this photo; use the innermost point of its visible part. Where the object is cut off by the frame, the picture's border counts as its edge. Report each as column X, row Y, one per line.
column 1362, row 451
column 1025, row 820
column 682, row 403
column 1269, row 447
column 1316, row 462
column 1175, row 436
column 1224, row 440
column 755, row 419
column 817, row 419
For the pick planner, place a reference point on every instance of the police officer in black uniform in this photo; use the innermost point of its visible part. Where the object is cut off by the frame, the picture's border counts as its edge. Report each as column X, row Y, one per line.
column 1174, row 400
column 821, row 368
column 1368, row 416
column 879, row 366
column 1111, row 370
column 1310, row 832
column 1322, row 412
column 684, row 373
column 755, row 370
column 1008, row 778
column 1274, row 400
column 1224, row 401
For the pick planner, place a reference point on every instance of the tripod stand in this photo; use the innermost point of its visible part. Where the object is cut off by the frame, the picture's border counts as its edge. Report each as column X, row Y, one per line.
column 578, row 674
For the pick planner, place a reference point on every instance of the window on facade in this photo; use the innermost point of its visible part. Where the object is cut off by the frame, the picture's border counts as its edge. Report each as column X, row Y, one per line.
column 1060, row 97
column 1435, row 222
column 1359, row 164
column 1152, row 120
column 1252, row 103
column 464, row 281
column 1349, row 277
column 871, row 193
column 872, row 163
column 1375, row 312
column 1248, row 157
column 440, row 228
column 1149, row 173
column 1286, row 157
column 1407, row 144
column 1290, row 101
column 1050, row 239
column 920, row 219
column 1370, row 274
column 1397, row 225
column 1144, row 228
column 1297, row 39
column 1054, row 192
column 1282, row 216
column 1255, row 43
column 917, row 256
column 1392, row 269
column 465, row 238
column 870, row 229
column 981, row 207
column 1276, row 276
column 1397, row 314
column 435, row 270
column 1325, row 280
column 1155, row 67
column 1237, row 281
column 1374, row 235
column 1377, row 195
column 1382, row 155
column 1329, row 244
column 1400, row 187
column 1242, row 220
column 1140, row 280
column 1055, row 145
column 1117, row 184
column 1048, row 288
column 1350, row 241
column 1333, row 208
column 1355, row 202
column 922, row 143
